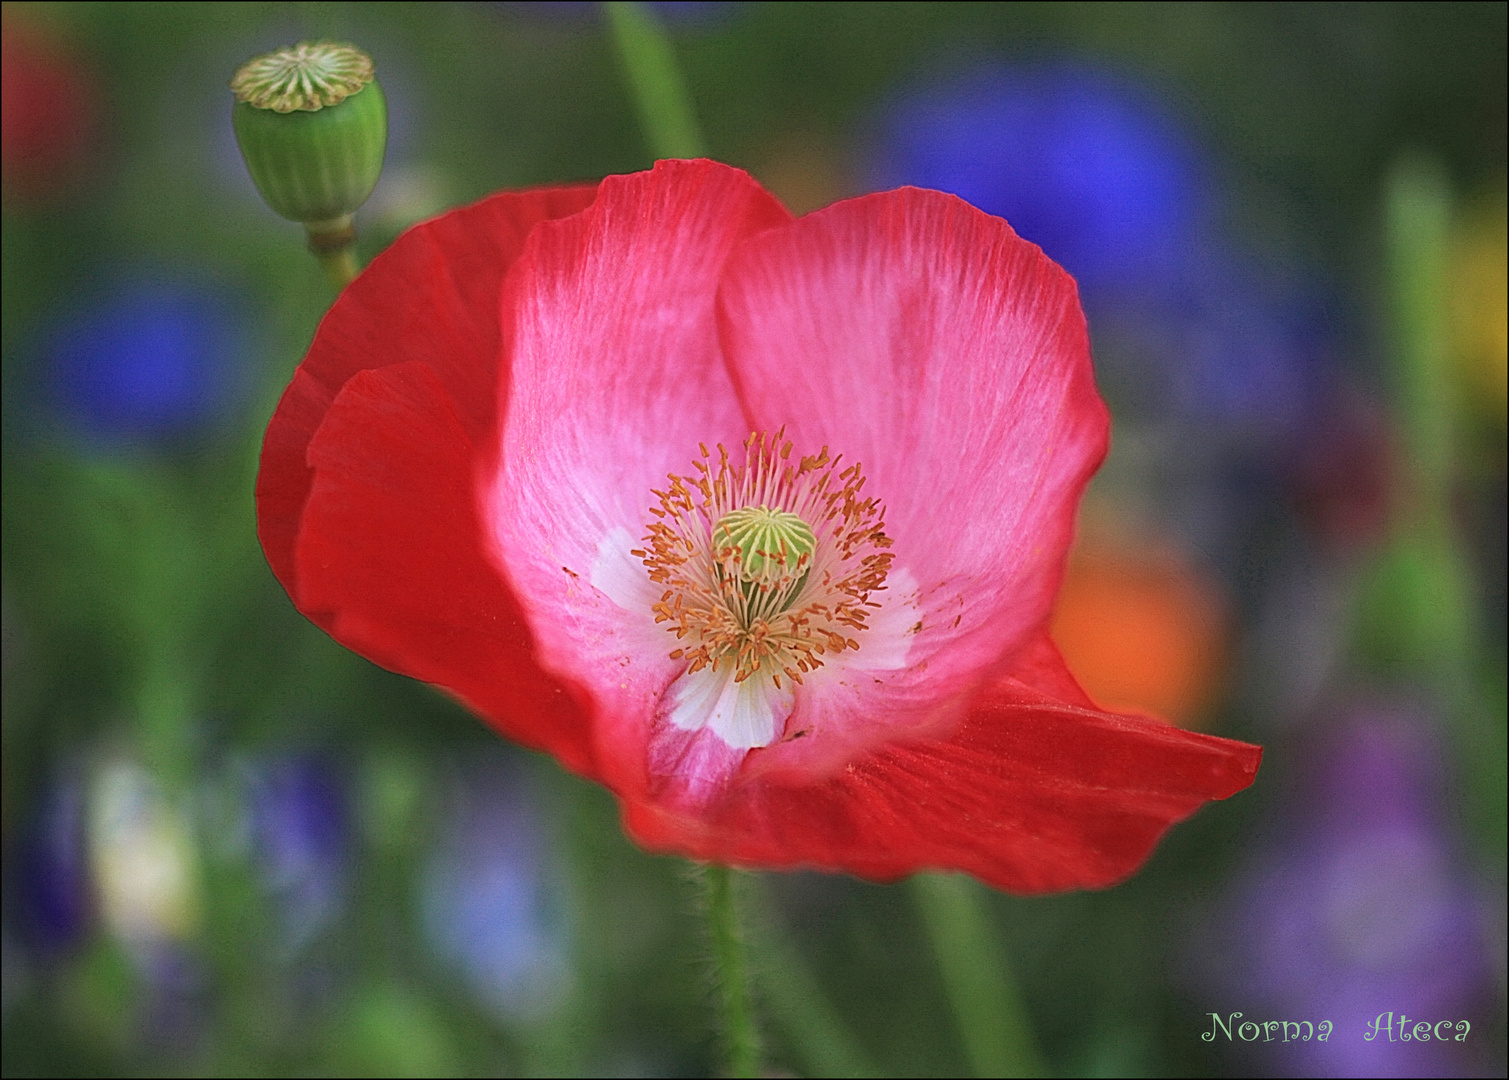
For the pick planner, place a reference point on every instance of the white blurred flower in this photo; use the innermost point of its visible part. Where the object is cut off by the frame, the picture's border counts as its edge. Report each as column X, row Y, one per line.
column 142, row 852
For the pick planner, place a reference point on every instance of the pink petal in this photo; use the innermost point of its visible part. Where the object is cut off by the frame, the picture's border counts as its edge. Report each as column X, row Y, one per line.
column 617, row 377
column 916, row 335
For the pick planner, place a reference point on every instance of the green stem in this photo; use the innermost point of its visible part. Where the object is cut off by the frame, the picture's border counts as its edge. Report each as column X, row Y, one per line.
column 334, row 244
column 341, row 266
column 1418, row 212
column 986, row 1003
column 1414, row 614
column 733, row 982
column 797, row 1003
column 1425, row 592
column 665, row 111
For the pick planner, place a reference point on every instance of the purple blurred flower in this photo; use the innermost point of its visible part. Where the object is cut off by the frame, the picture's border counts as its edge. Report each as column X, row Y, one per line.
column 490, row 906
column 1361, row 909
column 48, row 873
column 301, row 834
column 175, row 1012
column 151, row 358
column 110, row 847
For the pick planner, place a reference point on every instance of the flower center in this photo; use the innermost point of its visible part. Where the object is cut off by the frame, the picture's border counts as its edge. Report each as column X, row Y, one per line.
column 762, row 557
column 768, row 566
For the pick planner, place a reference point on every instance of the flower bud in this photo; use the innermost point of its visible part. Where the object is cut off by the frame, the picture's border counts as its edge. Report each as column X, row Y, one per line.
column 312, row 124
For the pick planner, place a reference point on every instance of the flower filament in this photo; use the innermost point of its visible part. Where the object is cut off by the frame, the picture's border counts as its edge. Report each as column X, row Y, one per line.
column 768, row 566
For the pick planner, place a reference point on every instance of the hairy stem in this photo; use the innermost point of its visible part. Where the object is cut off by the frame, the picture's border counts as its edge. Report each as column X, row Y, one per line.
column 729, row 966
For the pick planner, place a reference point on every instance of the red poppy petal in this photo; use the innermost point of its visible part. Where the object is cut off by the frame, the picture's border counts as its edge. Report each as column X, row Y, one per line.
column 617, row 377
column 383, row 554
column 390, row 565
column 1030, row 795
column 922, row 338
column 1042, row 666
column 433, row 297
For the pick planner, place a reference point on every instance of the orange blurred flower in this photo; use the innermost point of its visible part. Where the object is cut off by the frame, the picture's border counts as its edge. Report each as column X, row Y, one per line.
column 1141, row 627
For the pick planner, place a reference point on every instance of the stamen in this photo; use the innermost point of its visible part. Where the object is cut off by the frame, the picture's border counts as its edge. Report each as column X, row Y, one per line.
column 767, row 566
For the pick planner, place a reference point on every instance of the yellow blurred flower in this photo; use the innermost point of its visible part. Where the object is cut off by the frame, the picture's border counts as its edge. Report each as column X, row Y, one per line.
column 1479, row 298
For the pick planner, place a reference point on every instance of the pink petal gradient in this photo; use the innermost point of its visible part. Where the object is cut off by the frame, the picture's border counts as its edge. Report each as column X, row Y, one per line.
column 916, row 335
column 617, row 377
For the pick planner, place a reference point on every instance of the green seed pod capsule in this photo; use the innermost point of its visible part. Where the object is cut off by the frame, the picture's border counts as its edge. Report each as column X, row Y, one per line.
column 313, row 125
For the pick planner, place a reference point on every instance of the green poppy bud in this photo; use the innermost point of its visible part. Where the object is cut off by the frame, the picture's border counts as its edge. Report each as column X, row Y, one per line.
column 312, row 124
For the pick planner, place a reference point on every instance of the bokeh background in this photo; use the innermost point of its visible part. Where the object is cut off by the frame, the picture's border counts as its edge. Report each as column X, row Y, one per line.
column 231, row 847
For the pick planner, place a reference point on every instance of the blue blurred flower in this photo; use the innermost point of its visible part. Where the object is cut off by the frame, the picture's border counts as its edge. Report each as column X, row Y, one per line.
column 1361, row 909
column 490, row 906
column 1098, row 171
column 1088, row 166
column 301, row 836
column 152, row 358
column 48, row 877
column 1223, row 340
column 693, row 10
column 1256, row 342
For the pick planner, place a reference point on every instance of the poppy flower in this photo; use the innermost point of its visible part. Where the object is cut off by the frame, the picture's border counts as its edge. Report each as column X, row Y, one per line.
column 518, row 463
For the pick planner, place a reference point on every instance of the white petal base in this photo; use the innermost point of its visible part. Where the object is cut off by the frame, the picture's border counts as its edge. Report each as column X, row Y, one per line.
column 745, row 715
column 620, row 576
column 886, row 643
